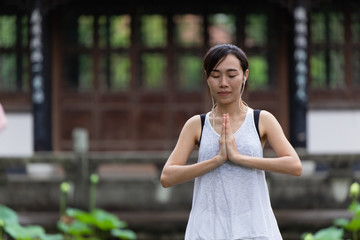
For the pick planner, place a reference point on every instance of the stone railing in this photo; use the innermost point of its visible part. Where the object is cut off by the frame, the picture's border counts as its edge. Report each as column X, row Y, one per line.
column 33, row 182
column 324, row 182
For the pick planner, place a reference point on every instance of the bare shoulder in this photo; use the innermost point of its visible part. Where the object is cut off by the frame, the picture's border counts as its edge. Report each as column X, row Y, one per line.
column 192, row 128
column 268, row 122
column 186, row 142
column 267, row 116
column 193, row 123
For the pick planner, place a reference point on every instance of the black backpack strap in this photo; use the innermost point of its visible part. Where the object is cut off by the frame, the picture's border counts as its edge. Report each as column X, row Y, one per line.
column 256, row 120
column 202, row 117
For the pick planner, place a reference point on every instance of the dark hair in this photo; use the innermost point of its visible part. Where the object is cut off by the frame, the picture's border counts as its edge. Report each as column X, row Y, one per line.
column 217, row 54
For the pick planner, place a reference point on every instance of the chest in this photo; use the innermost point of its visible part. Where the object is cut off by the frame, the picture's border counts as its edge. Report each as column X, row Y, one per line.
column 235, row 123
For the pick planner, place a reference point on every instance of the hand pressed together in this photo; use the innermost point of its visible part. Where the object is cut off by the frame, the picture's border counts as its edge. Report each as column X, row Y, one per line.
column 227, row 144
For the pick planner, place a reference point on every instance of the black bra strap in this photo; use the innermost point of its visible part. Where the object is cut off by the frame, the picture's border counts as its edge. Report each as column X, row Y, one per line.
column 202, row 116
column 256, row 120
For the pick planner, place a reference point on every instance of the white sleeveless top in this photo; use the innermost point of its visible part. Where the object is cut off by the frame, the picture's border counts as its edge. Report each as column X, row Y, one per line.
column 231, row 202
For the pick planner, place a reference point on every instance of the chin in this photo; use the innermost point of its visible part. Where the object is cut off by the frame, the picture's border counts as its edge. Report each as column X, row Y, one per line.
column 225, row 101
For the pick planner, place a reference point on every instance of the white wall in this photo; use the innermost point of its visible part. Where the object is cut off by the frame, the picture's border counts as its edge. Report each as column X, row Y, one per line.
column 333, row 131
column 16, row 139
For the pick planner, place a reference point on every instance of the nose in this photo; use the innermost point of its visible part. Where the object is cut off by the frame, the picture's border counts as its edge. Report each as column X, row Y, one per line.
column 223, row 81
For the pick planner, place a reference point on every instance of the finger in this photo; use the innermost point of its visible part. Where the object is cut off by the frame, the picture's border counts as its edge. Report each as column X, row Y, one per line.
column 222, row 133
column 222, row 143
column 231, row 148
column 228, row 132
column 223, row 130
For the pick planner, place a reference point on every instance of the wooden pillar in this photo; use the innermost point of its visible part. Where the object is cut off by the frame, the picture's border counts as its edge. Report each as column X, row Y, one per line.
column 299, row 94
column 40, row 83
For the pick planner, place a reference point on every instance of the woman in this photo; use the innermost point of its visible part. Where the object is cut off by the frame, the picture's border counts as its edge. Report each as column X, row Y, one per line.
column 230, row 199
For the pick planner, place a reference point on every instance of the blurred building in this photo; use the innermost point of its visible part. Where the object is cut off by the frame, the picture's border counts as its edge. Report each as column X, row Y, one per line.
column 130, row 72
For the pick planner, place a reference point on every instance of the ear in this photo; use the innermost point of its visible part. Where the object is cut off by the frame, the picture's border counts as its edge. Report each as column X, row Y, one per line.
column 246, row 74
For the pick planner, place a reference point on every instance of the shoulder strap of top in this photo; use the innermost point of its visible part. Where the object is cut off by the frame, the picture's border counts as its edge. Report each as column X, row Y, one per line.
column 202, row 116
column 256, row 120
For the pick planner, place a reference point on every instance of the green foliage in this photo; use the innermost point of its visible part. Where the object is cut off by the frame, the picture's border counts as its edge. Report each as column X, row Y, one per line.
column 8, row 215
column 85, row 30
column 190, row 69
column 76, row 228
column 354, row 190
column 106, row 221
column 330, row 233
column 151, row 24
column 65, row 187
column 75, row 224
column 97, row 224
column 94, row 178
column 341, row 225
column 78, row 224
column 154, row 65
column 7, row 31
column 98, row 218
column 11, row 226
column 17, row 231
column 258, row 72
column 123, row 234
column 256, row 29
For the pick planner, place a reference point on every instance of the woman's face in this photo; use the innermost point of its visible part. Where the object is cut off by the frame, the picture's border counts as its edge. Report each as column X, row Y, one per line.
column 226, row 80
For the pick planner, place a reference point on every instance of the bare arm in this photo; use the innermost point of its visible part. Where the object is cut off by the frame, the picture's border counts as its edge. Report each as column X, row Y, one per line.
column 287, row 162
column 175, row 170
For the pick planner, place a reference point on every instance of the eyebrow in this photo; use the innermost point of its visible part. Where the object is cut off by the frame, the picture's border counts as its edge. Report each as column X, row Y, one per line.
column 228, row 70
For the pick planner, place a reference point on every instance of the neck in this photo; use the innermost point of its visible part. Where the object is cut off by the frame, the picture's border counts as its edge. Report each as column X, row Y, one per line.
column 231, row 109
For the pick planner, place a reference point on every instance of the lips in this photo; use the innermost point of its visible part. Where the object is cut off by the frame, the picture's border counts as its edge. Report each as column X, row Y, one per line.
column 224, row 93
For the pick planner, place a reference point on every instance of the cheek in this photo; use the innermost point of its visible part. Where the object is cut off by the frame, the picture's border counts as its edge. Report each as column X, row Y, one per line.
column 211, row 83
column 237, row 84
column 210, row 87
